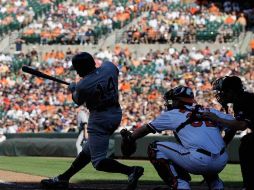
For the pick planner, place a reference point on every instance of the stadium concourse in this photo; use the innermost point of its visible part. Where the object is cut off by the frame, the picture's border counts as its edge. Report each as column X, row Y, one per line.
column 149, row 62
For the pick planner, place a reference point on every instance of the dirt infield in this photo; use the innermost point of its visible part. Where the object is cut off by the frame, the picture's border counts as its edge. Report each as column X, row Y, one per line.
column 9, row 176
column 20, row 181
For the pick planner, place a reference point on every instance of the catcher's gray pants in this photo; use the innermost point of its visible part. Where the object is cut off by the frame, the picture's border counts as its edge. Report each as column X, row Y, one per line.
column 192, row 161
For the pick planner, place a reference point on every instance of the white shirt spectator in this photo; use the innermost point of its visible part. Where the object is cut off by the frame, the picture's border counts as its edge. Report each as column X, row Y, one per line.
column 17, row 3
column 153, row 23
column 2, row 136
column 3, row 10
column 12, row 129
column 213, row 18
column 119, row 8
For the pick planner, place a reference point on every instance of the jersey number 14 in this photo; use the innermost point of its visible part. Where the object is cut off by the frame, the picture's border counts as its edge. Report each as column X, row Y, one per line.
column 111, row 87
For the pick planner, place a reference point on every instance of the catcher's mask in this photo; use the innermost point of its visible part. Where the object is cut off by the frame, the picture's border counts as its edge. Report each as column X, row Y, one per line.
column 181, row 93
column 226, row 87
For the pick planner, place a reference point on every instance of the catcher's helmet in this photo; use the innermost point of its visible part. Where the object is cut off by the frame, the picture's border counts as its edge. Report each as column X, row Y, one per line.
column 180, row 93
column 225, row 84
column 83, row 63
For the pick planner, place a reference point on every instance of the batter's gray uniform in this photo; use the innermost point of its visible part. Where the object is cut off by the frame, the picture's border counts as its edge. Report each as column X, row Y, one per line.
column 98, row 91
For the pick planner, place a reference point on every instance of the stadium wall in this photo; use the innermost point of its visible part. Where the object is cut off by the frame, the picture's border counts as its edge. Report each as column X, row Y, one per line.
column 64, row 145
column 138, row 49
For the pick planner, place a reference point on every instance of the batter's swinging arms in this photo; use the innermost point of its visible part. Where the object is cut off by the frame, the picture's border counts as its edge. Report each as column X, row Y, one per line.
column 98, row 90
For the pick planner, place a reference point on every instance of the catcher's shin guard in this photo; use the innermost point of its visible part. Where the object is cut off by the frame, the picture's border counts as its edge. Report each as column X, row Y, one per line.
column 162, row 167
column 182, row 173
column 214, row 182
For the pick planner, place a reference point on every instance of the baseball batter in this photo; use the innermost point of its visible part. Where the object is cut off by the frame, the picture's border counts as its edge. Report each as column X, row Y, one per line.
column 98, row 91
column 201, row 149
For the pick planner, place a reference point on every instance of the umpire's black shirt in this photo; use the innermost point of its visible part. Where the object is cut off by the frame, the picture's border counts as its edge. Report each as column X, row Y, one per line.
column 244, row 109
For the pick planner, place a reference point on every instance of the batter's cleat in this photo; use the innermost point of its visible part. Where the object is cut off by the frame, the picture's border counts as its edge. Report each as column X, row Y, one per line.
column 55, row 183
column 134, row 176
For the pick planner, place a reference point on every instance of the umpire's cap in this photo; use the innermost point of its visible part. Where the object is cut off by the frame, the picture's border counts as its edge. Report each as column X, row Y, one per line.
column 83, row 63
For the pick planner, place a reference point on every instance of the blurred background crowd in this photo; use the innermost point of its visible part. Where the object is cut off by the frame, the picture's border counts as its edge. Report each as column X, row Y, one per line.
column 30, row 104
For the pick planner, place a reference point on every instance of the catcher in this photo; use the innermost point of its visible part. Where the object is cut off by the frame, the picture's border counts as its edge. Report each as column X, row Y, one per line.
column 201, row 149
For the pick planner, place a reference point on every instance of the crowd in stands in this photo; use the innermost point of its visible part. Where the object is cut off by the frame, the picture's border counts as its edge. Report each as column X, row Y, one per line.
column 16, row 14
column 188, row 23
column 81, row 22
column 30, row 104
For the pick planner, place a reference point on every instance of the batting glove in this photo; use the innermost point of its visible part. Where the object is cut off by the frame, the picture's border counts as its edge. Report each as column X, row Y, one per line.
column 72, row 87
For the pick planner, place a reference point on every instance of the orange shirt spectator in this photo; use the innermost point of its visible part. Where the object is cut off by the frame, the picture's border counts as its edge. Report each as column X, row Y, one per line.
column 229, row 20
column 151, row 33
column 135, row 62
column 252, row 44
column 81, row 7
column 56, row 32
column 45, row 1
column 38, row 80
column 59, row 70
column 61, row 55
column 153, row 95
column 45, row 57
column 214, row 8
column 155, row 7
column 206, row 86
column 127, row 52
column 117, row 49
column 193, row 10
column 61, row 97
column 29, row 32
column 230, row 53
column 125, row 87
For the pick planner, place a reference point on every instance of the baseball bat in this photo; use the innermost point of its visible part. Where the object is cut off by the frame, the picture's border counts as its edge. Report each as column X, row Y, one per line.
column 37, row 73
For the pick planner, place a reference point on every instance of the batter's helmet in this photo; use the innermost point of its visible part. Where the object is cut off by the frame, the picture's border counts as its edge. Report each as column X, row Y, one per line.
column 83, row 63
column 181, row 93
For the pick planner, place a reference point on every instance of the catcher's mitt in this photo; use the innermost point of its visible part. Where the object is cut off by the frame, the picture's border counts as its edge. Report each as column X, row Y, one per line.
column 128, row 145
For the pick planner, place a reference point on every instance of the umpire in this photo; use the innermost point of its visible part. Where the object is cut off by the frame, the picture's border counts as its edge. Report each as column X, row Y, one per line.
column 230, row 89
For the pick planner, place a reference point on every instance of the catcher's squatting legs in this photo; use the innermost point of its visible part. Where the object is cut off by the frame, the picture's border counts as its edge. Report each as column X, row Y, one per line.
column 213, row 181
column 170, row 173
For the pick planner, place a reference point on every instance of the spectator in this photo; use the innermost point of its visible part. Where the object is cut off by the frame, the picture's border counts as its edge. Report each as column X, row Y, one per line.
column 243, row 22
column 2, row 136
column 252, row 46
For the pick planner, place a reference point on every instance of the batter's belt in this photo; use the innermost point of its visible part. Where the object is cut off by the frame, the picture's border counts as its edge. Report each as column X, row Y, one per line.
column 105, row 107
